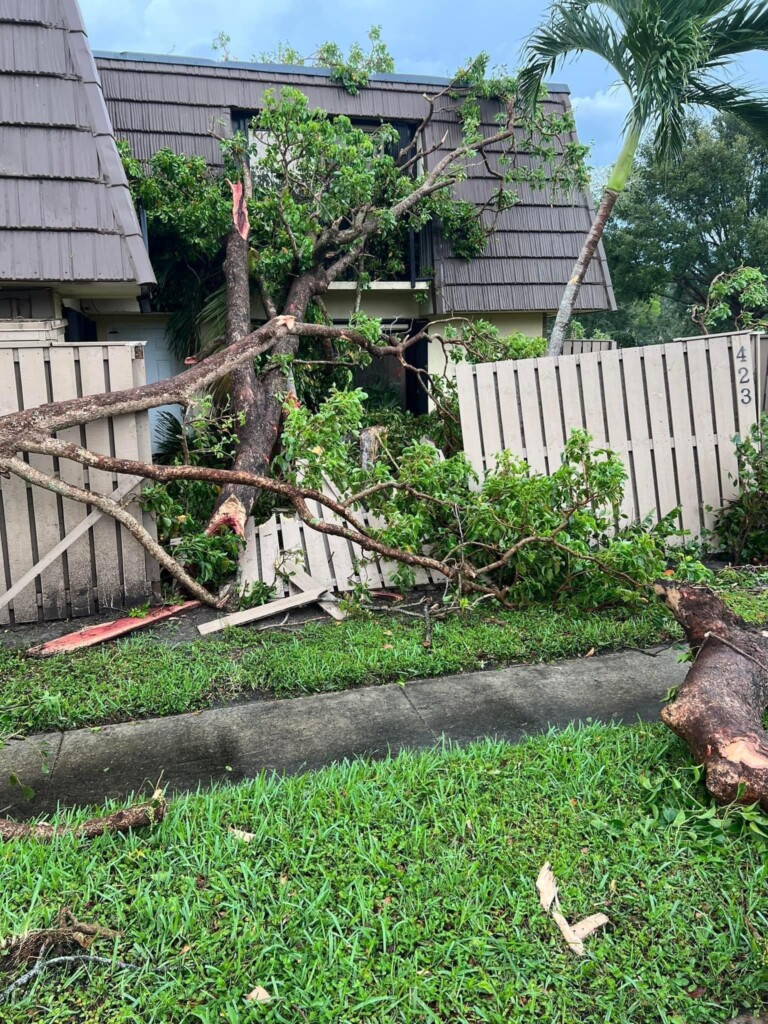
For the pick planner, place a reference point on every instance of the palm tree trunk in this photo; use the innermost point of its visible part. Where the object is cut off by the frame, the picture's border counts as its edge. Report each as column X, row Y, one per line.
column 571, row 293
column 614, row 185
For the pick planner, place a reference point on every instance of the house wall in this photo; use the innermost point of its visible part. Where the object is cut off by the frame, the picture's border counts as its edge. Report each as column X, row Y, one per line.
column 28, row 303
column 119, row 320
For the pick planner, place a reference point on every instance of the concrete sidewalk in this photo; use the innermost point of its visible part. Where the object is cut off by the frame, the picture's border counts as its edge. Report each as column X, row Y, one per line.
column 234, row 743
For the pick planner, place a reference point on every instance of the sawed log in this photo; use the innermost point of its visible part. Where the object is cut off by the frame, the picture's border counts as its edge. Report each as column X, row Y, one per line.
column 719, row 708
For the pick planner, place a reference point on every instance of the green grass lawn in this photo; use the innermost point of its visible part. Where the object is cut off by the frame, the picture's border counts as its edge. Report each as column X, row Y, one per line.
column 140, row 676
column 403, row 891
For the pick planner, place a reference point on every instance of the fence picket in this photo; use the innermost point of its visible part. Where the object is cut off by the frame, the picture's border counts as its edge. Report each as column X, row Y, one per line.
column 725, row 417
column 105, row 532
column 593, row 399
column 45, row 504
column 78, row 555
column 666, row 410
column 18, row 536
column 535, row 440
column 487, row 410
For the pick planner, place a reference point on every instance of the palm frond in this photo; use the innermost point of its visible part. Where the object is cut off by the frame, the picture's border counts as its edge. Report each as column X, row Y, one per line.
column 670, row 132
column 699, row 9
column 213, row 312
column 747, row 105
column 742, row 29
column 571, row 29
column 167, row 438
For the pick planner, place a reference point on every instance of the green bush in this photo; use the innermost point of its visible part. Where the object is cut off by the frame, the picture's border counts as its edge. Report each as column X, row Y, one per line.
column 742, row 526
column 582, row 552
column 181, row 511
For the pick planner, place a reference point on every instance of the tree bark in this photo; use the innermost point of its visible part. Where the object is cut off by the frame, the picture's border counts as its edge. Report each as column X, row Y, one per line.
column 141, row 815
column 571, row 293
column 235, row 500
column 257, row 402
column 718, row 710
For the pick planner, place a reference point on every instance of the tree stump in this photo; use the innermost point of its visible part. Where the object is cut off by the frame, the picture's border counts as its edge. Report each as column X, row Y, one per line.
column 719, row 708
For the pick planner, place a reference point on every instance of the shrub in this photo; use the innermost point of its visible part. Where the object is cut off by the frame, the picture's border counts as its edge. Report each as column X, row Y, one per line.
column 181, row 511
column 742, row 525
column 584, row 555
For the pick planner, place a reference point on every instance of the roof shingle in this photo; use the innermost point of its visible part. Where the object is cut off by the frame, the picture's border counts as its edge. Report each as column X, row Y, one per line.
column 175, row 102
column 65, row 210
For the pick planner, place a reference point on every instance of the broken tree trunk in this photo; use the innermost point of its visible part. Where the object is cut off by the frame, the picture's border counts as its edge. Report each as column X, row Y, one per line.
column 257, row 401
column 718, row 710
column 235, row 500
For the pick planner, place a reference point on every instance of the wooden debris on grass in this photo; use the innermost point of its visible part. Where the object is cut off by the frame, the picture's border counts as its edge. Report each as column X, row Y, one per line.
column 68, row 934
column 259, row 995
column 127, row 818
column 263, row 611
column 304, row 582
column 574, row 934
column 239, row 833
column 92, row 635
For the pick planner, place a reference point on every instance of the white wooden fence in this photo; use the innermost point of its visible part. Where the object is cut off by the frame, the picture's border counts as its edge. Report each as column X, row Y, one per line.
column 577, row 348
column 670, row 412
column 332, row 562
column 103, row 567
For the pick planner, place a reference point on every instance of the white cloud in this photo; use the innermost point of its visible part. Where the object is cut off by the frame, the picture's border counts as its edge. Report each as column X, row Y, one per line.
column 613, row 102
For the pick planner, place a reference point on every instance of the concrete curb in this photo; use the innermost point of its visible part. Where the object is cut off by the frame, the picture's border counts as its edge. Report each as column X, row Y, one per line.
column 233, row 743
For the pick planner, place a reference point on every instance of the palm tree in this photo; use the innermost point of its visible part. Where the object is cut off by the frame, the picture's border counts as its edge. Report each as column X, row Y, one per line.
column 671, row 55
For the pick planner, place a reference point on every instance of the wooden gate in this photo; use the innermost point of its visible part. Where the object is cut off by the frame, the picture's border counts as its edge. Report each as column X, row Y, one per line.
column 670, row 411
column 60, row 558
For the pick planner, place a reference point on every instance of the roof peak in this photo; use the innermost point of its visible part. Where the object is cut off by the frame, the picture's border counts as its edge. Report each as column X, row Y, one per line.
column 279, row 69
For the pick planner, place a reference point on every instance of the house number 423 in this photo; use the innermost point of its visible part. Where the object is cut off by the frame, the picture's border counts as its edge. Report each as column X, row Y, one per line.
column 743, row 376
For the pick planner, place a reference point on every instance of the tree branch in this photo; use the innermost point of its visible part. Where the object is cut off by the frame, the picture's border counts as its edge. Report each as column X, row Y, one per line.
column 33, row 476
column 176, row 390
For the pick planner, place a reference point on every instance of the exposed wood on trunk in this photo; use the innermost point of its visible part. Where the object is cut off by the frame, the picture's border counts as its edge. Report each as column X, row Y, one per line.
column 235, row 500
column 588, row 250
column 124, row 820
column 718, row 710
column 93, row 635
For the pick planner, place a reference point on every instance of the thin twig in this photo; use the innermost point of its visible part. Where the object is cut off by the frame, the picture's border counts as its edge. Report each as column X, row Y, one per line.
column 58, row 961
column 738, row 650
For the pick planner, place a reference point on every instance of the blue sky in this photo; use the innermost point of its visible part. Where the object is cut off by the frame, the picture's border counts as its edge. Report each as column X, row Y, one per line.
column 428, row 36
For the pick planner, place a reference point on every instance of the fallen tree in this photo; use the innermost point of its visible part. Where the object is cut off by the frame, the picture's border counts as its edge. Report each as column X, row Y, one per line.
column 310, row 199
column 484, row 540
column 720, row 706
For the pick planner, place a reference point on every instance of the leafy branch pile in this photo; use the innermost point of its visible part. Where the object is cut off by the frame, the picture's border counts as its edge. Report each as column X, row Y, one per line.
column 518, row 535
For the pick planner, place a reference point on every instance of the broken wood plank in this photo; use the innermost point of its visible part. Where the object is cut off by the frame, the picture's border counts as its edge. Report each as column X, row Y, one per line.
column 76, row 532
column 303, row 581
column 264, row 611
column 92, row 635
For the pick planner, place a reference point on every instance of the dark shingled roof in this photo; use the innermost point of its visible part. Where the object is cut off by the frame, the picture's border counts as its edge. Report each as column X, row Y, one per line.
column 175, row 102
column 65, row 210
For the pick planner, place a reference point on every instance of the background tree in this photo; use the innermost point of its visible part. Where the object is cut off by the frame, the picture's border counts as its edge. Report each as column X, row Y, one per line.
column 670, row 56
column 675, row 229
